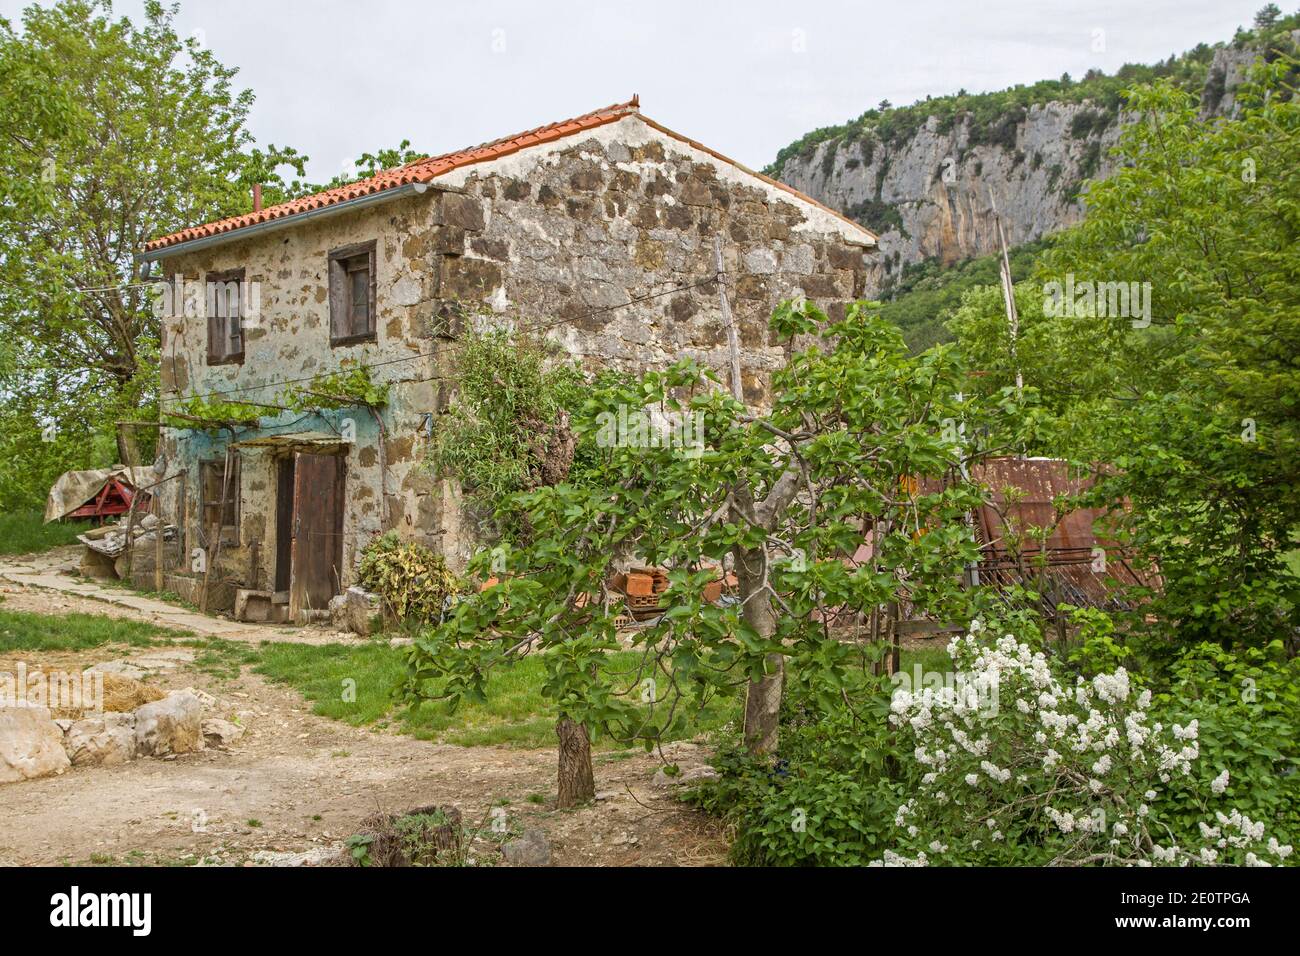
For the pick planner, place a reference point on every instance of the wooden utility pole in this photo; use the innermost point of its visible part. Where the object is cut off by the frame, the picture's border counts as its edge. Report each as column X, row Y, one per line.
column 1008, row 291
column 733, row 341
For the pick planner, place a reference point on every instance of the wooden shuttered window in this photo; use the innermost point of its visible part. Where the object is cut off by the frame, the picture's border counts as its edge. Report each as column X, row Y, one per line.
column 211, row 475
column 223, row 302
column 352, row 294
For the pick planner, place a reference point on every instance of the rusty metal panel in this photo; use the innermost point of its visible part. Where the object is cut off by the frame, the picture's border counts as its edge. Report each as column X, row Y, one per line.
column 1021, row 496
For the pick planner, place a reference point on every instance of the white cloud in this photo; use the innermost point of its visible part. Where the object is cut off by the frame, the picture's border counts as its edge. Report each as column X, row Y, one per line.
column 337, row 78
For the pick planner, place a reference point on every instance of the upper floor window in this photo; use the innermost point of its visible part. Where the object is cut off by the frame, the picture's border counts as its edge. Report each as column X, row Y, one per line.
column 352, row 294
column 224, row 298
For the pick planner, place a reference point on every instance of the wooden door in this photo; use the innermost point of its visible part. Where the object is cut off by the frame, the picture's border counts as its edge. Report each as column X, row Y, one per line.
column 317, row 558
column 283, row 527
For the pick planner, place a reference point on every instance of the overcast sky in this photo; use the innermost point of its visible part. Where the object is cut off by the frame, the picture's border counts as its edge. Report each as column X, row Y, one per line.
column 335, row 79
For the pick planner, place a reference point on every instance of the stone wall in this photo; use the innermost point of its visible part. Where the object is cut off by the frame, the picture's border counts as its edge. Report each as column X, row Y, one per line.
column 567, row 236
column 558, row 239
column 289, row 339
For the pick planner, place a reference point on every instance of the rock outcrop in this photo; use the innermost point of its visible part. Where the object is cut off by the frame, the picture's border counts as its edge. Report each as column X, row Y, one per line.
column 31, row 744
column 173, row 725
column 929, row 194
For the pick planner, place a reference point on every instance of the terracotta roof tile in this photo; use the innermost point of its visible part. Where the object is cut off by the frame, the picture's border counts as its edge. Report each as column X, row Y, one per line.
column 426, row 170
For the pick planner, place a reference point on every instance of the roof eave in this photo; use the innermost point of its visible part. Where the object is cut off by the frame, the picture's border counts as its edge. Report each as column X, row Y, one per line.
column 285, row 222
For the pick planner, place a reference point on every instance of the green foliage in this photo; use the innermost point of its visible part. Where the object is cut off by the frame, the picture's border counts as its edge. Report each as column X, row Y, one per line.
column 204, row 413
column 36, row 447
column 829, row 798
column 1195, row 404
column 25, row 532
column 414, row 583
column 343, row 388
column 860, row 419
column 924, row 295
column 124, row 131
column 512, row 406
column 1247, row 707
column 365, row 166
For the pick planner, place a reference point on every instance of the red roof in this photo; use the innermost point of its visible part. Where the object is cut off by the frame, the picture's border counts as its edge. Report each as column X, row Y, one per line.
column 426, row 170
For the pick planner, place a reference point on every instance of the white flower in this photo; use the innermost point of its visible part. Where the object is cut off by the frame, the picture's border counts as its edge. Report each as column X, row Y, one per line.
column 973, row 779
column 1219, row 783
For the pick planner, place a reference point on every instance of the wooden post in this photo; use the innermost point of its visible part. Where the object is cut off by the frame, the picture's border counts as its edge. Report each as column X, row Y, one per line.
column 1008, row 292
column 157, row 543
column 216, row 530
column 183, row 521
column 733, row 342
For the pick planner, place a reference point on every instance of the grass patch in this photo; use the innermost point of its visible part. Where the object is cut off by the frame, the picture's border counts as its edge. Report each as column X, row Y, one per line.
column 25, row 532
column 222, row 659
column 355, row 684
column 22, row 631
column 931, row 659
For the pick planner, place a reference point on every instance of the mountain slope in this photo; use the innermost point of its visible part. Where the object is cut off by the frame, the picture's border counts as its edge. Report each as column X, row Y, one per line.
column 924, row 176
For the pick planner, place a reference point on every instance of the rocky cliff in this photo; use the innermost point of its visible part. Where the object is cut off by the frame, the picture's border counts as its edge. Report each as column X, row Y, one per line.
column 927, row 185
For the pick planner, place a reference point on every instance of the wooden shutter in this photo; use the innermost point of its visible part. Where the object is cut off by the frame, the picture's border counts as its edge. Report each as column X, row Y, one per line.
column 346, row 324
column 370, row 312
column 338, row 300
column 216, row 334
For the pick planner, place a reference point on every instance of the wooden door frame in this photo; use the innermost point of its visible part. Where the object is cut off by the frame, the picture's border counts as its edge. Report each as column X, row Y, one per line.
column 295, row 604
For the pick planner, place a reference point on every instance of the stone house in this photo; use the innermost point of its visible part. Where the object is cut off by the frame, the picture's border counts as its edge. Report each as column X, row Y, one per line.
column 598, row 231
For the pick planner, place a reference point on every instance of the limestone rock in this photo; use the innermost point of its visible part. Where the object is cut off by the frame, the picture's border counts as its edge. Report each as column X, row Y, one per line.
column 172, row 725
column 357, row 610
column 104, row 740
column 694, row 775
column 530, row 849
column 31, row 744
column 220, row 733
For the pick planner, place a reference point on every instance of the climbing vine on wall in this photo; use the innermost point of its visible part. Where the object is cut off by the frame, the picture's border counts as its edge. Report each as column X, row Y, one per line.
column 507, row 428
column 340, row 389
column 202, row 414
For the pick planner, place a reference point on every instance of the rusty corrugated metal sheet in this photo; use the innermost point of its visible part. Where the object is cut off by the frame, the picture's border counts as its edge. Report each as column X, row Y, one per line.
column 1021, row 496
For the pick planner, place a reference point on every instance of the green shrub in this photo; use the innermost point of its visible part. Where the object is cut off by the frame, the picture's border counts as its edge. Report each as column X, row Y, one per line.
column 830, row 798
column 1247, row 708
column 413, row 581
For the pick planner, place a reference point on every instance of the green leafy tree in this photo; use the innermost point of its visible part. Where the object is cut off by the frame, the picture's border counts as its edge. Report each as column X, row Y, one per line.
column 1191, row 393
column 122, row 131
column 863, row 445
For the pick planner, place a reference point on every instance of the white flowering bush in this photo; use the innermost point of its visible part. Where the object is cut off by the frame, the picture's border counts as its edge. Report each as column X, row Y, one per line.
column 1020, row 768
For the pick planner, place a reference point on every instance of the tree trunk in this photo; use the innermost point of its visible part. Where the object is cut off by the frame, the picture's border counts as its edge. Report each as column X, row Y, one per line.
column 763, row 708
column 128, row 447
column 763, row 696
column 577, row 785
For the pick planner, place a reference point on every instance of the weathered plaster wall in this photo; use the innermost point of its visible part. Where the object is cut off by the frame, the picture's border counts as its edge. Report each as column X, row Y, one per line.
column 288, row 339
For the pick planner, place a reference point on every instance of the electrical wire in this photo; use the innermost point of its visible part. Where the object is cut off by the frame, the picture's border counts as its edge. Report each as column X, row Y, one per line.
column 684, row 287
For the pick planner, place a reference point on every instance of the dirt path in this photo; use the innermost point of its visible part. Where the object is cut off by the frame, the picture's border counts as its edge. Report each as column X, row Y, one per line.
column 297, row 784
column 53, row 574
